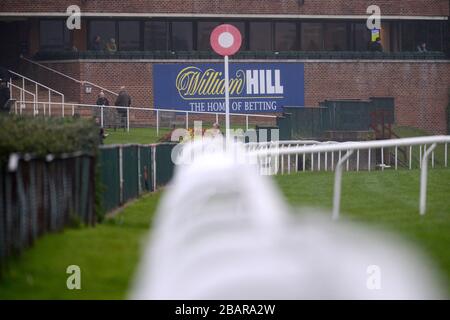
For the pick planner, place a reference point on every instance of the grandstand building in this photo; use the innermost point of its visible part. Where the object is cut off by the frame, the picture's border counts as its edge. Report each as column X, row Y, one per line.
column 320, row 48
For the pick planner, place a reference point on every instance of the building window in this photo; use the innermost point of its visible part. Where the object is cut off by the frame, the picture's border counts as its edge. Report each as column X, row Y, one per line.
column 240, row 25
column 335, row 36
column 156, row 35
column 102, row 30
column 54, row 35
column 286, row 38
column 311, row 36
column 361, row 37
column 434, row 38
column 129, row 36
column 204, row 29
column 260, row 36
column 182, row 36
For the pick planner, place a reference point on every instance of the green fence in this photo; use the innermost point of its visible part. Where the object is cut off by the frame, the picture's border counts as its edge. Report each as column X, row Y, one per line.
column 336, row 115
column 126, row 171
column 41, row 195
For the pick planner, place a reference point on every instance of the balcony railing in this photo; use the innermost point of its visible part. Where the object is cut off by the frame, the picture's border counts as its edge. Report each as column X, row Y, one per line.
column 251, row 55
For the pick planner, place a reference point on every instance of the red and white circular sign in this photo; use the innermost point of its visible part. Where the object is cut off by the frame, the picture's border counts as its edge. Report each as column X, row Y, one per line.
column 226, row 40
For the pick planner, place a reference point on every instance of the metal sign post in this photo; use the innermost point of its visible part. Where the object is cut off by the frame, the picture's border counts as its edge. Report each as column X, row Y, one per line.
column 226, row 41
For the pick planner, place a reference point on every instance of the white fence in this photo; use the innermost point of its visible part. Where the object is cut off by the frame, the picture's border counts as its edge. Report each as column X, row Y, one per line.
column 104, row 112
column 273, row 154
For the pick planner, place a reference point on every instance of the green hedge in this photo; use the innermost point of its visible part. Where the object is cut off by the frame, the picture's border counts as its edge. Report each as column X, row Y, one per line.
column 41, row 136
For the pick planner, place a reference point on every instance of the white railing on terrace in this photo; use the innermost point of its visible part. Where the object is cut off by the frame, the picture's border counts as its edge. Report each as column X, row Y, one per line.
column 73, row 106
column 81, row 82
column 22, row 94
column 24, row 80
column 426, row 144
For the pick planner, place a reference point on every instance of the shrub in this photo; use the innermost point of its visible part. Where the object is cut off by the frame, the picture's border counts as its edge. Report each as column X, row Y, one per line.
column 40, row 136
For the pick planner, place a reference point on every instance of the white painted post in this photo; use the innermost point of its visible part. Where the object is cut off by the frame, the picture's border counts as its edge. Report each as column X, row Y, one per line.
column 49, row 103
column 128, row 119
column 332, row 161
column 187, row 120
column 157, row 123
column 446, row 155
column 62, row 107
column 423, row 180
column 396, row 153
column 246, row 122
column 101, row 116
column 338, row 184
column 227, row 100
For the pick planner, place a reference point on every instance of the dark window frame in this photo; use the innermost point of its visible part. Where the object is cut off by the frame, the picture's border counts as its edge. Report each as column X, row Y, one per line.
column 70, row 34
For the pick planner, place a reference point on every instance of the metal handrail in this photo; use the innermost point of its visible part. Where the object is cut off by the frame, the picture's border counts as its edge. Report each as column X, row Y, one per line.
column 157, row 113
column 50, row 90
column 350, row 147
column 26, row 91
column 82, row 82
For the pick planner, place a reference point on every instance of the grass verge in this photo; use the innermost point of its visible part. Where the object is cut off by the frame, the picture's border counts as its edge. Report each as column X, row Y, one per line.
column 107, row 255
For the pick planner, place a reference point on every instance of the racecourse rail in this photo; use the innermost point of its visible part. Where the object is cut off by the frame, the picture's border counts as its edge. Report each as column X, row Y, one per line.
column 427, row 144
column 47, row 111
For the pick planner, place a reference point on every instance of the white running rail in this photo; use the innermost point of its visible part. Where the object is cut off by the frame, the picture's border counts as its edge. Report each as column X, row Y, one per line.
column 24, row 80
column 428, row 144
column 157, row 111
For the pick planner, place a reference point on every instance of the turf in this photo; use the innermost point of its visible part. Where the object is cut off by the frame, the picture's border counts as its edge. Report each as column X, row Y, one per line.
column 143, row 135
column 136, row 135
column 388, row 199
column 107, row 255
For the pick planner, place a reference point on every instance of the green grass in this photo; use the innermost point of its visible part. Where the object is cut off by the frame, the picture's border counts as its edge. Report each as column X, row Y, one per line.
column 388, row 199
column 141, row 135
column 107, row 255
column 136, row 135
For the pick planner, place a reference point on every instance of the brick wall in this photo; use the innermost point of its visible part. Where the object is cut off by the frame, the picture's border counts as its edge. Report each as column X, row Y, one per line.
column 420, row 88
column 331, row 7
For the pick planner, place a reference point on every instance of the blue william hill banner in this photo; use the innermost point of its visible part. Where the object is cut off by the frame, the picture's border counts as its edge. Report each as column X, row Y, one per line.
column 254, row 87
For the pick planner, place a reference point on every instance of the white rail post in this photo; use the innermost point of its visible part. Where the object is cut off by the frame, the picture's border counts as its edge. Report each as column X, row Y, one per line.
column 128, row 119
column 62, row 106
column 338, row 185
column 49, row 103
column 101, row 116
column 73, row 110
column 332, row 161
column 187, row 120
column 357, row 160
column 368, row 160
column 382, row 159
column 396, row 154
column 157, row 123
column 246, row 122
column 420, row 157
column 446, row 155
column 423, row 179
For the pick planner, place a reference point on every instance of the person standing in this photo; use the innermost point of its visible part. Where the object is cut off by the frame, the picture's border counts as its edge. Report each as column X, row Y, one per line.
column 97, row 44
column 123, row 100
column 422, row 47
column 111, row 46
